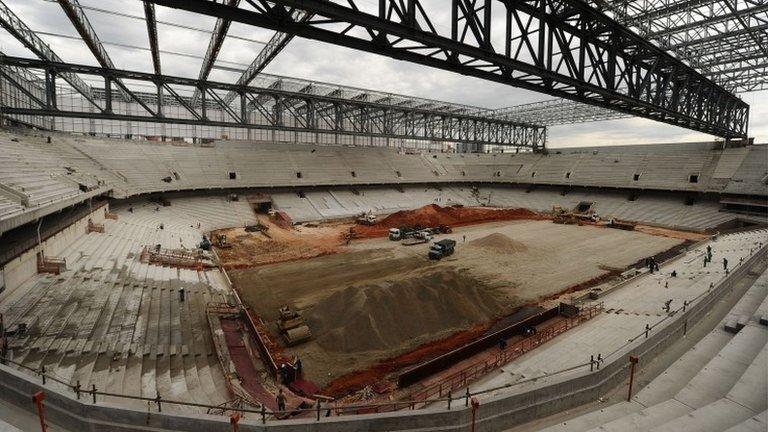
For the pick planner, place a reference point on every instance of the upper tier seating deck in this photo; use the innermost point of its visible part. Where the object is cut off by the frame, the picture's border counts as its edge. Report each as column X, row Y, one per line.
column 752, row 175
column 132, row 166
column 34, row 173
column 285, row 164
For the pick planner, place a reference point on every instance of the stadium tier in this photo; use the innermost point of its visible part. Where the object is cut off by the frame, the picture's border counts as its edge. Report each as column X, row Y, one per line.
column 37, row 176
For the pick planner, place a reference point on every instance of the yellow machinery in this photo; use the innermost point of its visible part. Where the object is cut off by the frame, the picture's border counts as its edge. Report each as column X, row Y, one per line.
column 222, row 242
column 293, row 327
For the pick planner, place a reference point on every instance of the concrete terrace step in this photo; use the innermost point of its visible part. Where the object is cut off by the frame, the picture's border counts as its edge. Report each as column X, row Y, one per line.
column 746, row 399
column 634, row 415
column 758, row 423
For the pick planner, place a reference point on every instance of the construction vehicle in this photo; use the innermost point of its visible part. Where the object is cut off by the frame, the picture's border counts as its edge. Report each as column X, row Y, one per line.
column 441, row 249
column 420, row 237
column 366, row 219
column 205, row 244
column 440, row 229
column 258, row 227
column 563, row 216
column 402, row 232
column 583, row 211
column 405, row 232
column 292, row 326
column 614, row 223
column 222, row 242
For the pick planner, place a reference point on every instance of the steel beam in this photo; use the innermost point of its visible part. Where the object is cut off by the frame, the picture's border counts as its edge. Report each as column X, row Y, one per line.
column 16, row 27
column 708, row 20
column 554, row 112
column 697, row 30
column 752, row 34
column 88, row 34
column 602, row 71
column 276, row 109
column 214, row 46
column 154, row 43
column 276, row 43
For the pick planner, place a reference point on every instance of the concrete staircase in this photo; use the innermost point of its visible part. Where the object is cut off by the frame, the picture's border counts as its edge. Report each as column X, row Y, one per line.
column 719, row 384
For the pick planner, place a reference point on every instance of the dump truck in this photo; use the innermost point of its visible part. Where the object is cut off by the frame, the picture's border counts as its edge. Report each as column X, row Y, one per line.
column 441, row 249
column 292, row 326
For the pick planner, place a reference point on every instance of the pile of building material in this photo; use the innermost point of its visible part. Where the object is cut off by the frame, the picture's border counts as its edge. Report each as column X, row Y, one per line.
column 46, row 264
column 183, row 258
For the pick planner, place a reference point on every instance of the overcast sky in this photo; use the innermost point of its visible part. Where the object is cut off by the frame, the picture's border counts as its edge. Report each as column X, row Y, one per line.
column 317, row 61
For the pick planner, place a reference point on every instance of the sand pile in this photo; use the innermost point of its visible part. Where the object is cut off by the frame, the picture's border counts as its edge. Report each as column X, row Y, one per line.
column 434, row 215
column 400, row 315
column 500, row 243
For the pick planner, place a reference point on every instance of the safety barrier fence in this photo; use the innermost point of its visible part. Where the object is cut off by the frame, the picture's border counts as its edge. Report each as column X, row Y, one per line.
column 254, row 323
column 464, row 377
column 601, row 371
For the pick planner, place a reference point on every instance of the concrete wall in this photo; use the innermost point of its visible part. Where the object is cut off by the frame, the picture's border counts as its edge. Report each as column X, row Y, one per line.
column 518, row 406
column 35, row 213
column 23, row 267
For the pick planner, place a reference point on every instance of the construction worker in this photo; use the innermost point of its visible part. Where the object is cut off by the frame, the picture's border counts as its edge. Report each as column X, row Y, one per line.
column 502, row 344
column 668, row 305
column 283, row 373
column 280, row 401
column 297, row 366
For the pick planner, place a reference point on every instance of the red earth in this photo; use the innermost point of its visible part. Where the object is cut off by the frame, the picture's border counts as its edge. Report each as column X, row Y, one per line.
column 434, row 215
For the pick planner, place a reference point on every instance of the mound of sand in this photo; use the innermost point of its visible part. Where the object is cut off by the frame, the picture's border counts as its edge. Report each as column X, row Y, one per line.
column 433, row 215
column 400, row 315
column 498, row 242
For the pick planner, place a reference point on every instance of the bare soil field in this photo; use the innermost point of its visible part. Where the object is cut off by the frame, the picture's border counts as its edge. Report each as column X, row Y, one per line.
column 376, row 300
column 279, row 244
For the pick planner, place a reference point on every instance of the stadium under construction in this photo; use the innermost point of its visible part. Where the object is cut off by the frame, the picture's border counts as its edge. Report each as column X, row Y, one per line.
column 190, row 242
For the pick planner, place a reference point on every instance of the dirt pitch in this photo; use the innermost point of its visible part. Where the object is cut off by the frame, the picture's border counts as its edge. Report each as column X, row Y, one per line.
column 375, row 299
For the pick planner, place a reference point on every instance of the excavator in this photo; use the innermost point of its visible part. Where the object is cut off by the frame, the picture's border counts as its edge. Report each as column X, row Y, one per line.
column 222, row 242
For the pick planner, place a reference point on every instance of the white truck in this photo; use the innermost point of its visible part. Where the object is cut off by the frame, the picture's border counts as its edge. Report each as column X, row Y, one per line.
column 420, row 237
